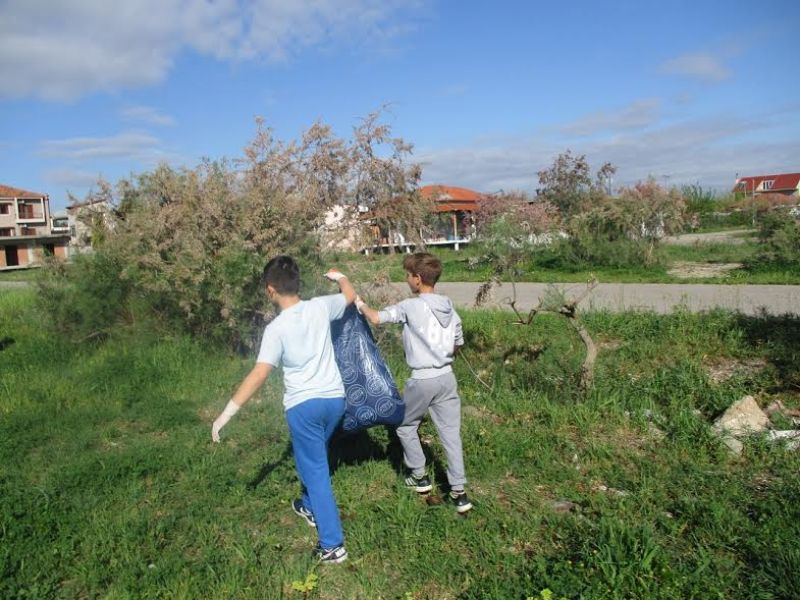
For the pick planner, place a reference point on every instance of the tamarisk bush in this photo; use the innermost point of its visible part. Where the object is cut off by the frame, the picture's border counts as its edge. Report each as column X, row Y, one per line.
column 185, row 247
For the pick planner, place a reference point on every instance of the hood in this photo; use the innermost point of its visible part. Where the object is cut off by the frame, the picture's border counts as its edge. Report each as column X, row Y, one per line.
column 441, row 306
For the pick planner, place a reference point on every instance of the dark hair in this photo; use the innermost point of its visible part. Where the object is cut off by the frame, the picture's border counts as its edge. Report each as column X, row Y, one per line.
column 427, row 266
column 283, row 274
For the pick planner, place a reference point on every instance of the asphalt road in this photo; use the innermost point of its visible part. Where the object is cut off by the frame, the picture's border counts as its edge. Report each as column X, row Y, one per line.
column 656, row 297
column 738, row 236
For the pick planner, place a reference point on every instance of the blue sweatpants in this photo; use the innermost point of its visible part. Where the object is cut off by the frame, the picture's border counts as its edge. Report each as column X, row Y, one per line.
column 311, row 425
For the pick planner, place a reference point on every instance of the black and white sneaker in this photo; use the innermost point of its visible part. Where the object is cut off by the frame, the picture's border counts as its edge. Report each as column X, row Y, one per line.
column 331, row 556
column 461, row 502
column 302, row 511
column 421, row 485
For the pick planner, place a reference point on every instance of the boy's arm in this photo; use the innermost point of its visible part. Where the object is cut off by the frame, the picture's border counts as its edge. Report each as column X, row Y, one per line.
column 344, row 285
column 372, row 315
column 254, row 380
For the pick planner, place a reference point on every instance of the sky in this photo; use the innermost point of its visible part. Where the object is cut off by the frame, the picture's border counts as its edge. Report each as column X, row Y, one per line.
column 489, row 93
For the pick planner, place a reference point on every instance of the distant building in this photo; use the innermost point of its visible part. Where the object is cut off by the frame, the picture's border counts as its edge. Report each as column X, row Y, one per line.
column 787, row 184
column 451, row 223
column 28, row 232
column 82, row 217
column 454, row 209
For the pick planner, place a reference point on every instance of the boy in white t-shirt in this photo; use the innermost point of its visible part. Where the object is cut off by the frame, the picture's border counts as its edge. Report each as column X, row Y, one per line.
column 299, row 339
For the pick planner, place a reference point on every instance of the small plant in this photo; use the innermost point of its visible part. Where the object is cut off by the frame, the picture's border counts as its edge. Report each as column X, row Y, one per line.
column 545, row 594
column 307, row 586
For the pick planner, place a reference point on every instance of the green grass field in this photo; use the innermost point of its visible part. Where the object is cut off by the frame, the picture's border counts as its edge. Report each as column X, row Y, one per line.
column 457, row 267
column 19, row 275
column 110, row 486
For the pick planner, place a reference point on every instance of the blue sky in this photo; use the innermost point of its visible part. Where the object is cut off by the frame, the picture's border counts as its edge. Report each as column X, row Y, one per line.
column 488, row 93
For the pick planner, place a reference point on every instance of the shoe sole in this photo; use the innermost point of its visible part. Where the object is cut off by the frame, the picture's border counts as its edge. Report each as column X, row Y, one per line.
column 421, row 489
column 334, row 561
column 304, row 517
column 462, row 509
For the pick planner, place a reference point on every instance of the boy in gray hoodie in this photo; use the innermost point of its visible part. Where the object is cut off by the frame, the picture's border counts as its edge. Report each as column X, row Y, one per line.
column 431, row 335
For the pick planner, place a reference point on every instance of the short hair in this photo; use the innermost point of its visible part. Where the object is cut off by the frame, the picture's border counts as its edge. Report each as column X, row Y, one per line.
column 283, row 274
column 427, row 266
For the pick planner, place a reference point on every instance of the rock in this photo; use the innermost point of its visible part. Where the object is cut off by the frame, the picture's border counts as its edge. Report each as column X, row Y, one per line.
column 734, row 445
column 792, row 437
column 741, row 418
column 563, row 506
column 777, row 407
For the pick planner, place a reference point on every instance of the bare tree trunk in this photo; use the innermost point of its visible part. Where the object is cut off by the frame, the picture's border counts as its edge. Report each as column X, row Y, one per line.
column 587, row 369
column 569, row 310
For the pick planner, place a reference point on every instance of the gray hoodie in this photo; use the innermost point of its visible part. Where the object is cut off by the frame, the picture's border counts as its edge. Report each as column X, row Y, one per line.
column 431, row 332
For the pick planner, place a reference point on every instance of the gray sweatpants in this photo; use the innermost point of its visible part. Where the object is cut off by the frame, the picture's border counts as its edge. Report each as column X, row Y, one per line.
column 440, row 396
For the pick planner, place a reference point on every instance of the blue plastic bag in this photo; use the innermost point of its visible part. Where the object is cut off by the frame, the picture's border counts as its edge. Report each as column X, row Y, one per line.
column 371, row 393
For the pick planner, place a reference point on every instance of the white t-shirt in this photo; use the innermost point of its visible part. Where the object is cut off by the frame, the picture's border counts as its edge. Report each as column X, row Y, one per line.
column 299, row 340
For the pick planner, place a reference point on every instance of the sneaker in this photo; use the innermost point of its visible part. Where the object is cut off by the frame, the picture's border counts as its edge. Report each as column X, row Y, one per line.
column 421, row 485
column 330, row 555
column 461, row 502
column 299, row 509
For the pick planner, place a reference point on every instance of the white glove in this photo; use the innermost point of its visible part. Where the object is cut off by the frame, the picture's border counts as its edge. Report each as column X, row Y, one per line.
column 231, row 409
column 360, row 304
column 335, row 275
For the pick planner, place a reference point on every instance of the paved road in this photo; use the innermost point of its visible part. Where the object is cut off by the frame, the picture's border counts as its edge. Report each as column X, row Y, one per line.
column 656, row 297
column 738, row 236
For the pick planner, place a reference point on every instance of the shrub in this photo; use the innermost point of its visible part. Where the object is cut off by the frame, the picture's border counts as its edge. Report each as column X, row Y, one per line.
column 188, row 245
column 624, row 230
column 779, row 241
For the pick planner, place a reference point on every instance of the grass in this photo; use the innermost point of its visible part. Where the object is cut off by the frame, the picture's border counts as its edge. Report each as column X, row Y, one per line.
column 111, row 488
column 19, row 275
column 465, row 265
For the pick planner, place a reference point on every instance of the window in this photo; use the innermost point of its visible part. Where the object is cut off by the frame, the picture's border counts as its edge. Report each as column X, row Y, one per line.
column 767, row 185
column 28, row 231
column 5, row 209
column 7, row 232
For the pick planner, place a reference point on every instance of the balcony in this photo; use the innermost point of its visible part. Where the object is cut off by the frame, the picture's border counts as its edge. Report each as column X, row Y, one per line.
column 59, row 226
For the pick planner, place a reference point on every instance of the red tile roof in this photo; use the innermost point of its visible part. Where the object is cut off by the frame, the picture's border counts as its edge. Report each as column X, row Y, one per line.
column 782, row 181
column 450, row 198
column 7, row 191
column 449, row 192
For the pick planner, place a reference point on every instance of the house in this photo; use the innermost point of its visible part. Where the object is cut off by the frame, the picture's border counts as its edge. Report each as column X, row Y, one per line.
column 82, row 218
column 451, row 222
column 786, row 184
column 27, row 232
column 454, row 208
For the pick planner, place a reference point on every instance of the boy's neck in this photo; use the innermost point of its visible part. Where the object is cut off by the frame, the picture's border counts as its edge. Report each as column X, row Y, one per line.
column 285, row 302
column 425, row 289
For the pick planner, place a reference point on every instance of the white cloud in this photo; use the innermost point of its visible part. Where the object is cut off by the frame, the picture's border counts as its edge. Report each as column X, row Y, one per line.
column 64, row 50
column 700, row 65
column 148, row 115
column 71, row 178
column 131, row 145
column 708, row 151
column 636, row 115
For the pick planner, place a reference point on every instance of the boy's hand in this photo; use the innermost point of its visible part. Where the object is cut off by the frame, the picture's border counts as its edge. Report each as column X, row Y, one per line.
column 231, row 409
column 335, row 275
column 360, row 304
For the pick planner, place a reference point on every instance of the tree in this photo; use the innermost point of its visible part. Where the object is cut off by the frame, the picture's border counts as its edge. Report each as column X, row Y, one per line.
column 187, row 245
column 568, row 184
